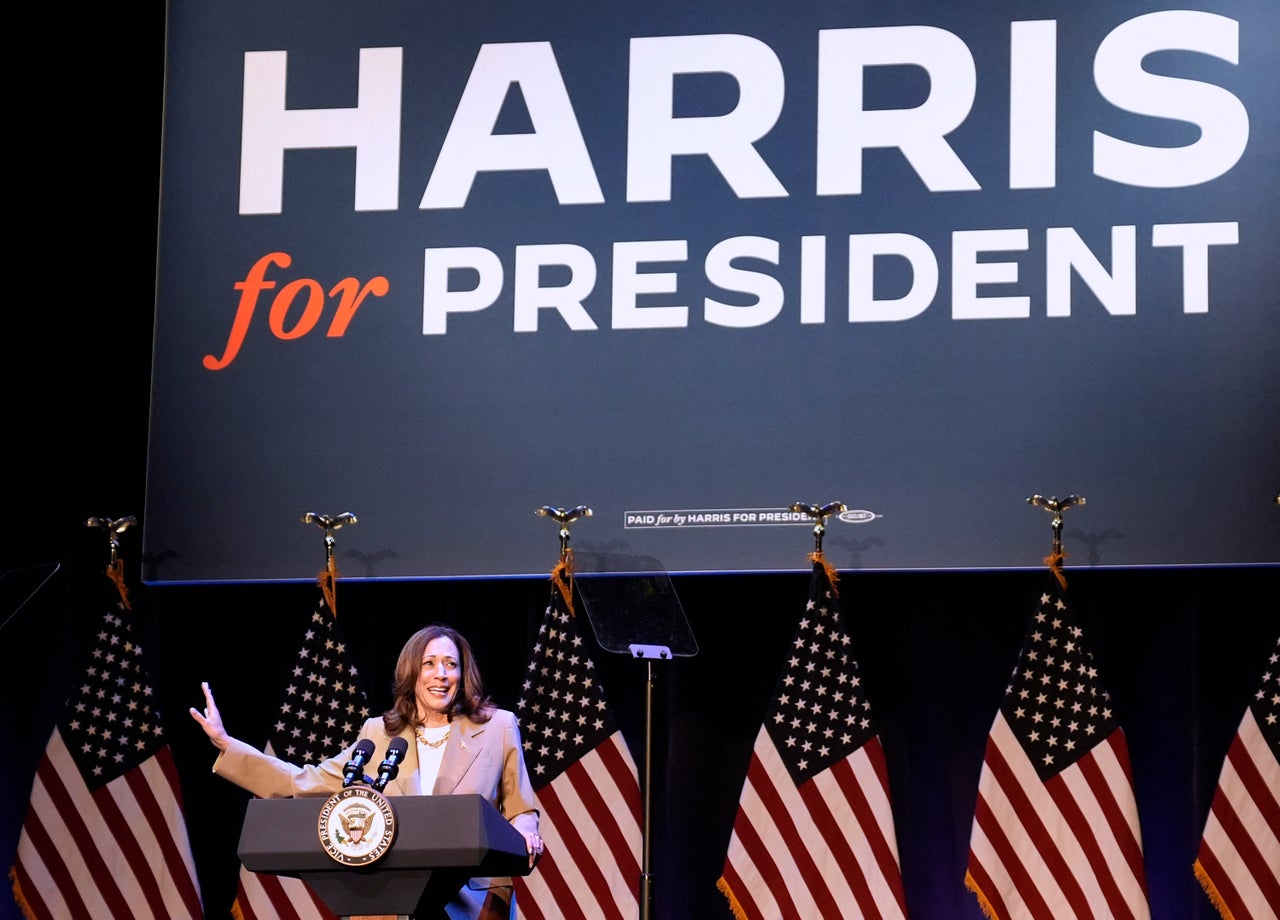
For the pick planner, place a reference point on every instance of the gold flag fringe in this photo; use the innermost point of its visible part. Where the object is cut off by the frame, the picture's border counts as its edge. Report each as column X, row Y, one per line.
column 982, row 899
column 18, row 896
column 832, row 576
column 733, row 902
column 562, row 578
column 328, row 582
column 1054, row 562
column 1212, row 891
column 115, row 571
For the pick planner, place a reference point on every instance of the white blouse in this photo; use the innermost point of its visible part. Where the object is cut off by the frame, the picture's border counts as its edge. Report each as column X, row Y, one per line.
column 431, row 742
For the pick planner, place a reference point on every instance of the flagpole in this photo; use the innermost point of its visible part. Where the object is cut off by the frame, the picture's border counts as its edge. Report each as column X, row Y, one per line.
column 819, row 514
column 1056, row 506
column 646, row 890
column 115, row 565
column 328, row 577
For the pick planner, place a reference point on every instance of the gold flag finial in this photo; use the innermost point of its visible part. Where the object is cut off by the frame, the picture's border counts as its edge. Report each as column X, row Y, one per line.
column 819, row 515
column 564, row 519
column 328, row 577
column 115, row 565
column 562, row 573
column 1056, row 506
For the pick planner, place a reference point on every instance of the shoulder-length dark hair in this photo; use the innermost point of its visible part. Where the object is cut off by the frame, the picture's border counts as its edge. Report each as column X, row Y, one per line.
column 469, row 701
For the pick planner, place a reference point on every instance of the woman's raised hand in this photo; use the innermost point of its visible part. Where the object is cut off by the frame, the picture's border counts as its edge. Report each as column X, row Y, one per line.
column 211, row 720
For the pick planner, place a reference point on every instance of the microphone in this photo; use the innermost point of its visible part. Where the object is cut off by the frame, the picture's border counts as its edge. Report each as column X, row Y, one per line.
column 391, row 766
column 353, row 772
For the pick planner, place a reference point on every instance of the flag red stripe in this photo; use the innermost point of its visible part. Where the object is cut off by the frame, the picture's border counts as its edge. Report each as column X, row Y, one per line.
column 792, row 843
column 616, row 760
column 1223, row 884
column 526, row 906
column 1263, row 871
column 833, row 835
column 886, row 855
column 69, row 811
column 255, row 887
column 1083, row 834
column 1238, row 860
column 984, row 885
column 579, row 851
column 1263, row 793
column 563, row 904
column 1028, row 816
column 1010, row 863
column 886, row 859
column 741, row 891
column 180, row 874
column 30, row 892
column 124, row 833
column 621, row 850
column 1107, row 796
column 53, row 864
column 760, row 855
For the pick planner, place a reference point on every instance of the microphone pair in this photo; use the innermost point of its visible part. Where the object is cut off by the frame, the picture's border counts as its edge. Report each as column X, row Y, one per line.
column 354, row 773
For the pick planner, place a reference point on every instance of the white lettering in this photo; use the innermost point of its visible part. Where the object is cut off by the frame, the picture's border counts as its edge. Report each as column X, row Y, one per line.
column 1117, row 290
column 1033, row 104
column 845, row 128
column 1194, row 240
column 1220, row 116
column 446, row 271
column 721, row 271
column 967, row 273
column 439, row 300
column 554, row 145
column 863, row 251
column 655, row 136
column 813, row 279
column 629, row 283
column 566, row 299
column 268, row 129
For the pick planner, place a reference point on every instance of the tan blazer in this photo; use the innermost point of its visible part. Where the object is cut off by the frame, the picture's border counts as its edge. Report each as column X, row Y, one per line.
column 479, row 759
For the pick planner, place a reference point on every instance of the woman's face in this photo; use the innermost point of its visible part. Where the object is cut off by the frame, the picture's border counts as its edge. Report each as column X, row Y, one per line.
column 438, row 679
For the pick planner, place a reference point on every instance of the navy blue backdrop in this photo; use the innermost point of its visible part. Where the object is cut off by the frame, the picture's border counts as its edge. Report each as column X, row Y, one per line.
column 690, row 263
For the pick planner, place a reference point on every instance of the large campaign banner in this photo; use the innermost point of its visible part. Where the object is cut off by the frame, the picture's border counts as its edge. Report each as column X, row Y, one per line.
column 441, row 264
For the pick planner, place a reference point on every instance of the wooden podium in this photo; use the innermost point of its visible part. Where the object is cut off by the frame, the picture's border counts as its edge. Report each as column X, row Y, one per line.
column 441, row 841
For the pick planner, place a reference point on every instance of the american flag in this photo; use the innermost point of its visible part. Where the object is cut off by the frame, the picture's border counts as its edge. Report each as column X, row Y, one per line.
column 814, row 836
column 323, row 707
column 1055, row 829
column 105, row 834
column 584, row 781
column 1239, row 859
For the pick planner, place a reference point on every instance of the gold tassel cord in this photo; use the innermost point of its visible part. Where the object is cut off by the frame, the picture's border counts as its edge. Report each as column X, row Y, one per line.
column 562, row 578
column 115, row 571
column 1054, row 561
column 328, row 582
column 832, row 576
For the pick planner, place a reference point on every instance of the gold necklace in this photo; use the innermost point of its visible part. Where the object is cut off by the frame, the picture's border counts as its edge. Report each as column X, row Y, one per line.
column 421, row 732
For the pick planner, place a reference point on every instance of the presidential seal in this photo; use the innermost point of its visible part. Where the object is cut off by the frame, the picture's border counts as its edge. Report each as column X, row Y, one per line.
column 356, row 826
